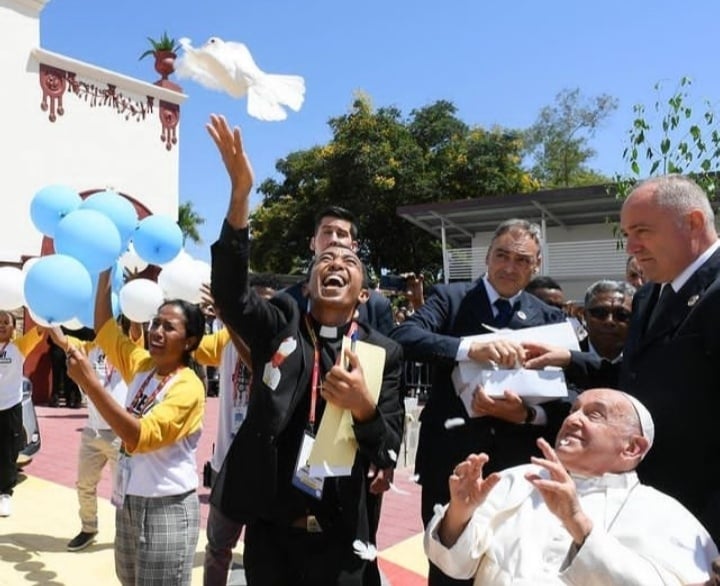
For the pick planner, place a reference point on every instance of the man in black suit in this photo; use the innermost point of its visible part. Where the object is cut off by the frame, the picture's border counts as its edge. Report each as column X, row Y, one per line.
column 337, row 225
column 296, row 534
column 508, row 428
column 671, row 359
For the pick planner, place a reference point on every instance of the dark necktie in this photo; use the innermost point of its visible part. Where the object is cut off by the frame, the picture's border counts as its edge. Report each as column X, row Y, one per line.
column 666, row 296
column 505, row 311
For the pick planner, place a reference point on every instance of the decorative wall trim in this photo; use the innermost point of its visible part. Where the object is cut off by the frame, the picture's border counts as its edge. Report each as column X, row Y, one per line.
column 97, row 87
column 55, row 82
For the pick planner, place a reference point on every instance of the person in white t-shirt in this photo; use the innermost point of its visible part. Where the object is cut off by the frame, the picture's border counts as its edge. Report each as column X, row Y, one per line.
column 12, row 358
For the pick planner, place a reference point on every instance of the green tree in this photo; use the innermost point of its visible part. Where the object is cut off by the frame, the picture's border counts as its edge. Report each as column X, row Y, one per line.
column 189, row 220
column 376, row 161
column 558, row 141
column 676, row 134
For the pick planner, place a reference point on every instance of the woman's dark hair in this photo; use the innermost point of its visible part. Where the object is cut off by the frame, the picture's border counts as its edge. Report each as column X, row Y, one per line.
column 194, row 323
column 11, row 315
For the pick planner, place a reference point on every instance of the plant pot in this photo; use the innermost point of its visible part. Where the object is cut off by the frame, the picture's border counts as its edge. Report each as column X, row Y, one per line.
column 165, row 63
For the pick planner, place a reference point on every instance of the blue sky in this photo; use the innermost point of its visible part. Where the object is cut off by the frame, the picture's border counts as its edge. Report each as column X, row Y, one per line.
column 498, row 62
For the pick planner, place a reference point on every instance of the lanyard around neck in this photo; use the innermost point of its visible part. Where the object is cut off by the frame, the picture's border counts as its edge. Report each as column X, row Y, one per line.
column 141, row 403
column 238, row 378
column 315, row 383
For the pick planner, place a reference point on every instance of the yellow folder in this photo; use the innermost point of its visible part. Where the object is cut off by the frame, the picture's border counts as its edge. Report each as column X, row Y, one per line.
column 333, row 452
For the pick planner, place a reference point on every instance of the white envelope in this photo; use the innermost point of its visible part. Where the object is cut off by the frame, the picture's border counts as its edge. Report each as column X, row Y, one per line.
column 534, row 386
column 560, row 334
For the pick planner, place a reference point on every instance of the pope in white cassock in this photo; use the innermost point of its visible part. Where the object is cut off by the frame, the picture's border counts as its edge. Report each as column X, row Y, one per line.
column 579, row 515
column 229, row 67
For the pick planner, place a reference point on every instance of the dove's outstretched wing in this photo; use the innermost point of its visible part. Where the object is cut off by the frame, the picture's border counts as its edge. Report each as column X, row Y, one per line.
column 229, row 67
column 267, row 97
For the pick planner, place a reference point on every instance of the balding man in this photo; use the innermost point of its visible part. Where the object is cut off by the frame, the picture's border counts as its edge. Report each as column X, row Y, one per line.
column 671, row 358
column 577, row 515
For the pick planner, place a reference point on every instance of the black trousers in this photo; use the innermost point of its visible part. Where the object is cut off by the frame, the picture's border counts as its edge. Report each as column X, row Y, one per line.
column 62, row 384
column 285, row 556
column 11, row 433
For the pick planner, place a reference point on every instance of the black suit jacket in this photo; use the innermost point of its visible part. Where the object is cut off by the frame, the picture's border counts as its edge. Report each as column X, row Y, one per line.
column 589, row 371
column 674, row 369
column 255, row 480
column 432, row 334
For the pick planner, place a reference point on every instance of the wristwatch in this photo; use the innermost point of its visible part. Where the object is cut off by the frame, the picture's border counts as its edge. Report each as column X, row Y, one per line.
column 531, row 414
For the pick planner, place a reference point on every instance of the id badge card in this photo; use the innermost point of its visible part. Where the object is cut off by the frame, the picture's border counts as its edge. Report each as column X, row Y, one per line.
column 310, row 485
column 120, row 480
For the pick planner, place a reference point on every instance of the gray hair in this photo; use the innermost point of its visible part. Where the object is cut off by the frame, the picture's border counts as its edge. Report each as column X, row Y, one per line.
column 518, row 225
column 608, row 286
column 680, row 194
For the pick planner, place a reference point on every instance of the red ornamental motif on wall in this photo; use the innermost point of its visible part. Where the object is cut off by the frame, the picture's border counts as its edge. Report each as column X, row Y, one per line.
column 55, row 82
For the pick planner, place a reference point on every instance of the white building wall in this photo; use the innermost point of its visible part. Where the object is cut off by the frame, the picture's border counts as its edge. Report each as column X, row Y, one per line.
column 86, row 147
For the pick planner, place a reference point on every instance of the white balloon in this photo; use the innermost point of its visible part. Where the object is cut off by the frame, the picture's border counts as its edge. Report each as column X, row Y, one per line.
column 12, row 285
column 140, row 299
column 182, row 256
column 183, row 278
column 73, row 324
column 204, row 270
column 130, row 261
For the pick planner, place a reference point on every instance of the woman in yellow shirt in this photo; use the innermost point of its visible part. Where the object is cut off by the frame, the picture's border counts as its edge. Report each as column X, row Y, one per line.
column 158, row 513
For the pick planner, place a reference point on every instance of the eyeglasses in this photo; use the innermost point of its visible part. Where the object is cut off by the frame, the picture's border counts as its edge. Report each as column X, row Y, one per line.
column 619, row 314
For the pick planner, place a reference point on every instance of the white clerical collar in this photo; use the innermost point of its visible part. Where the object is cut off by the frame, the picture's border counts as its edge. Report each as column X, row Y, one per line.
column 624, row 480
column 330, row 332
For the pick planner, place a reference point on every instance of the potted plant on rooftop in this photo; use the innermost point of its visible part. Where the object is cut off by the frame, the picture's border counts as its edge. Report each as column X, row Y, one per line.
column 164, row 49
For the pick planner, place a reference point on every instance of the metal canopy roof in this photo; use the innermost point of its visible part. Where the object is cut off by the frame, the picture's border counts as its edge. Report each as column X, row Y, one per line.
column 462, row 219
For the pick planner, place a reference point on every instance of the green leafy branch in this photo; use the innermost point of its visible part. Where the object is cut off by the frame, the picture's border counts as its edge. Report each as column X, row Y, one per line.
column 672, row 137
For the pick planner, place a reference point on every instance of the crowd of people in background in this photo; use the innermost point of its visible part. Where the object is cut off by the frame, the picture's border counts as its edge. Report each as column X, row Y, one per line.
column 563, row 491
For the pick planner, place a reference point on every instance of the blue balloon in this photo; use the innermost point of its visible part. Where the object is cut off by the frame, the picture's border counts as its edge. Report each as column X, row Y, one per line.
column 50, row 205
column 57, row 288
column 116, row 207
column 90, row 237
column 158, row 239
column 117, row 278
column 87, row 313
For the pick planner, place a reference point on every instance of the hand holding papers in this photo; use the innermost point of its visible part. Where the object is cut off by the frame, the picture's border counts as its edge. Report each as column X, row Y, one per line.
column 333, row 452
column 534, row 386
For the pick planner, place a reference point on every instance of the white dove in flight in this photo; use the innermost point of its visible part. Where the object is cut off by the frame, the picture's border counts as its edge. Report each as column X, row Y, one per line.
column 229, row 67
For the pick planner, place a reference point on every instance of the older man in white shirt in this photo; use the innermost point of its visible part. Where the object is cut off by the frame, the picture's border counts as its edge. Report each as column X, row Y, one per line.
column 577, row 516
